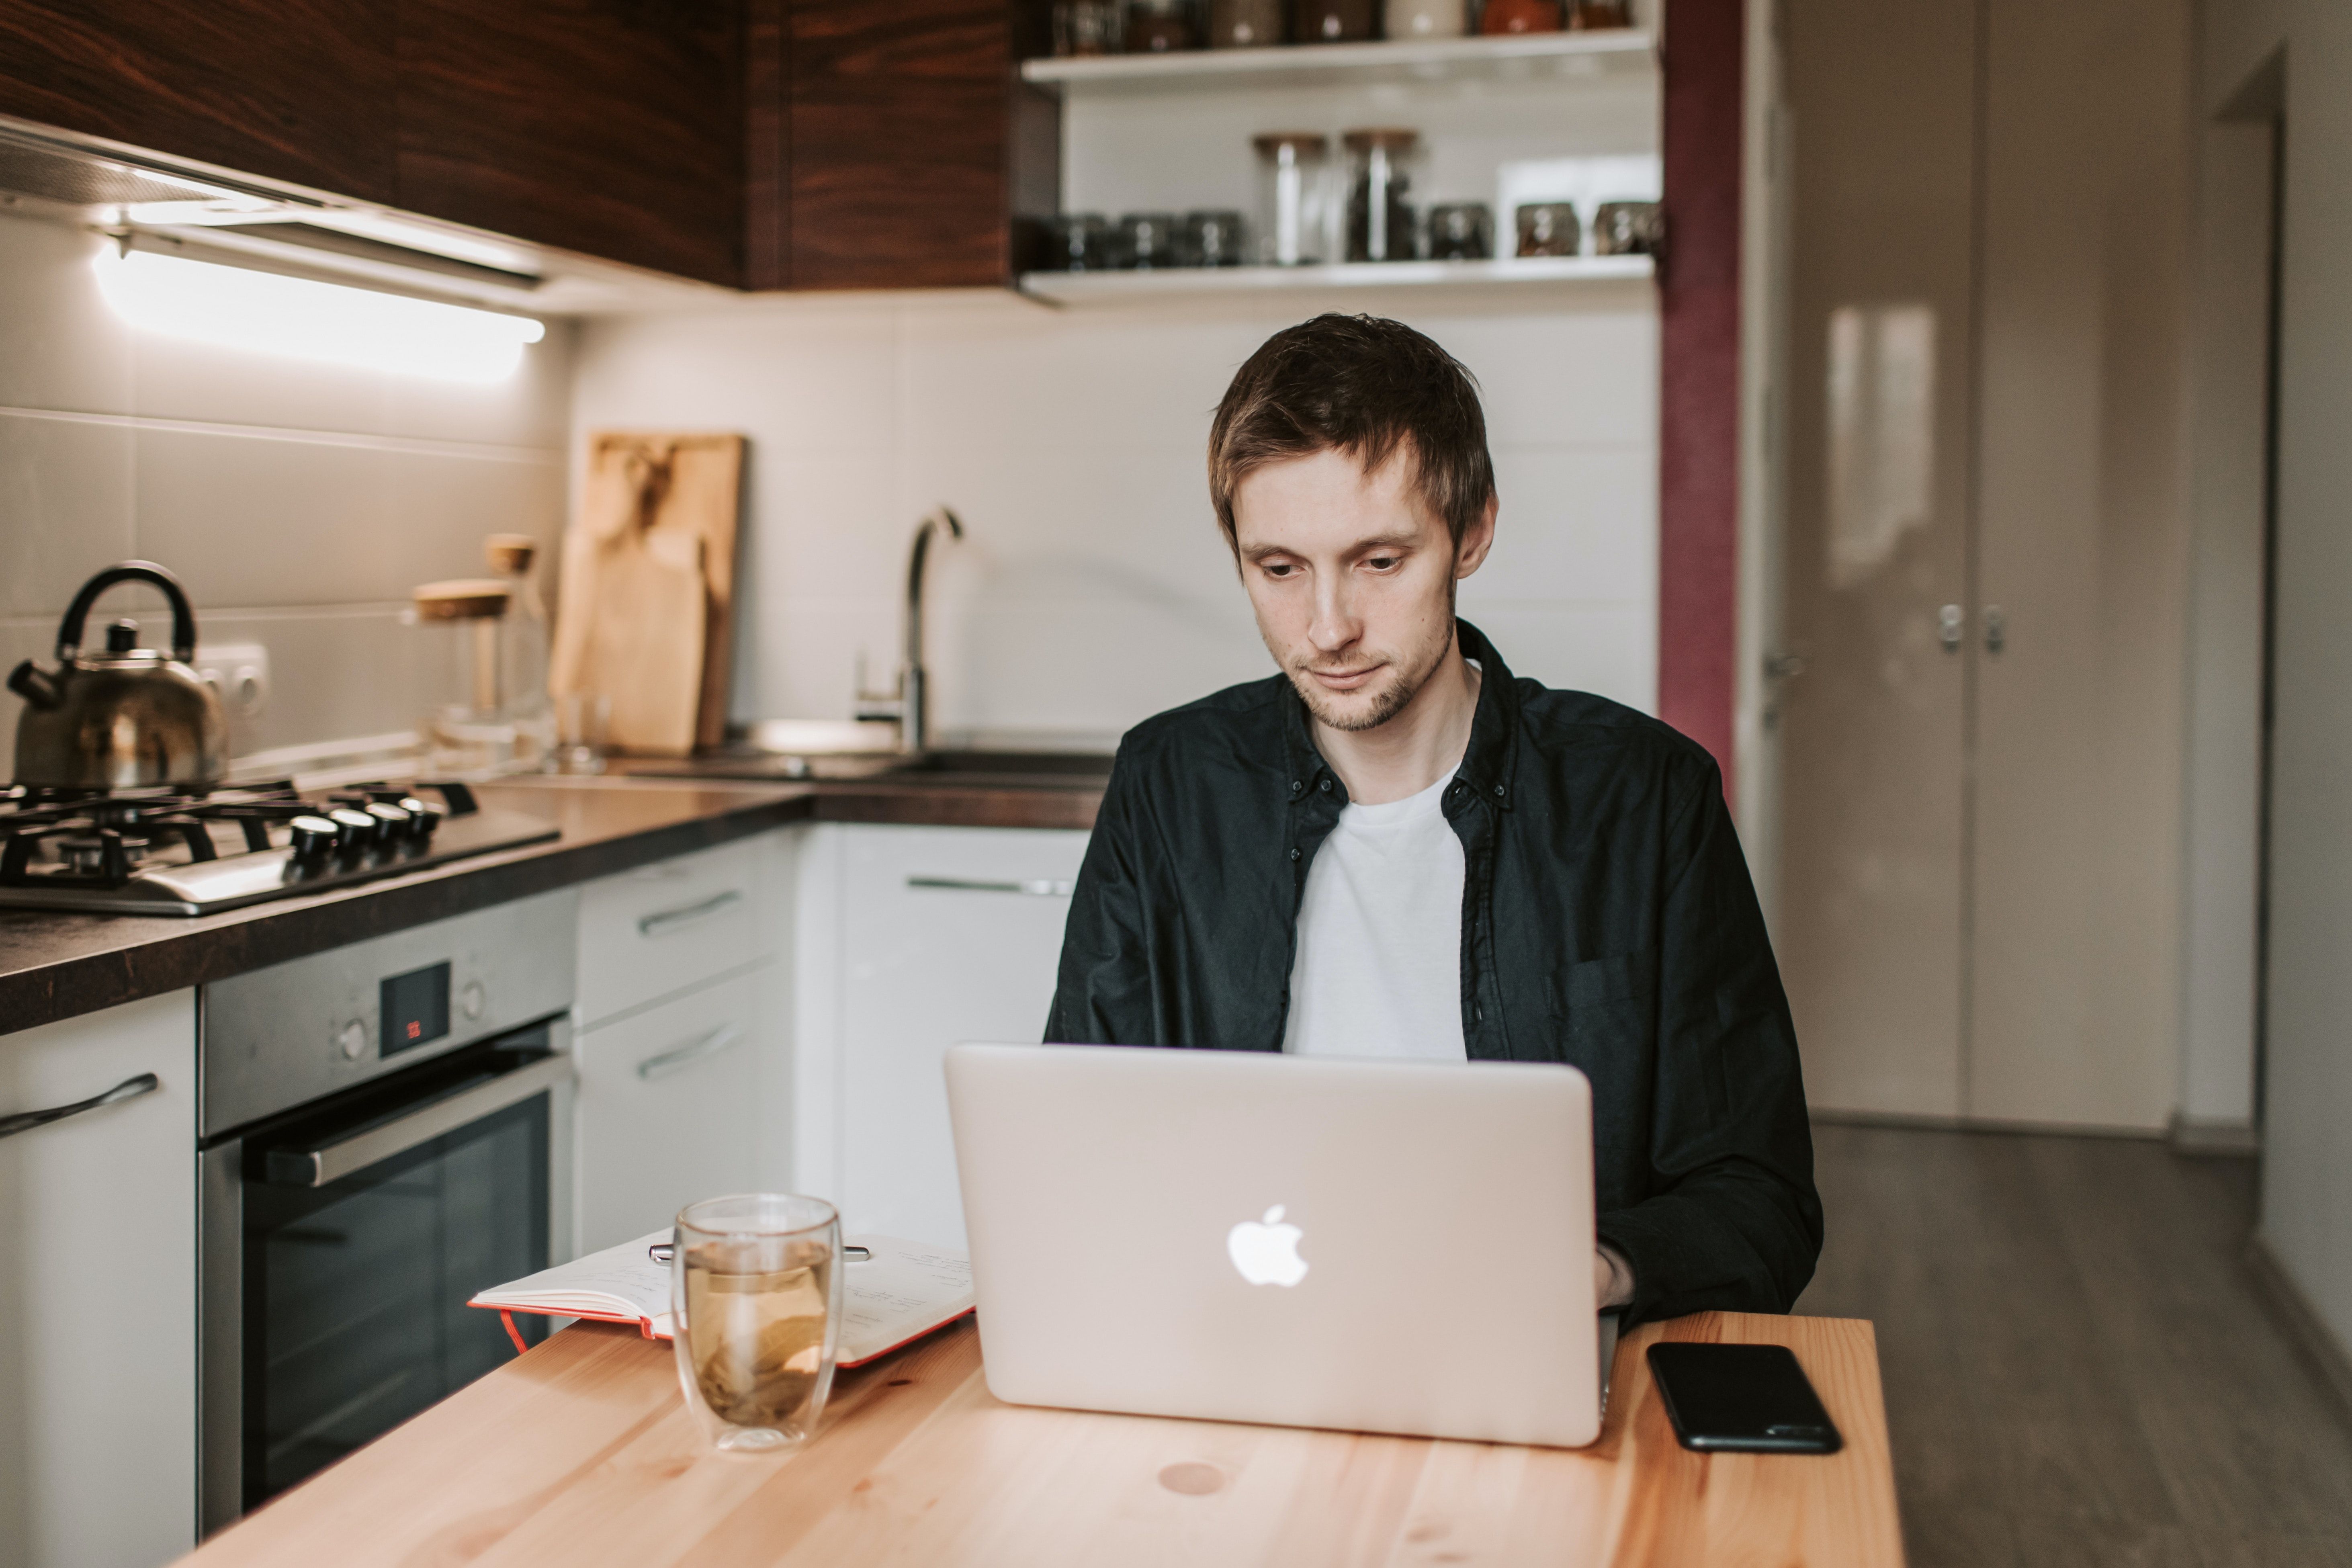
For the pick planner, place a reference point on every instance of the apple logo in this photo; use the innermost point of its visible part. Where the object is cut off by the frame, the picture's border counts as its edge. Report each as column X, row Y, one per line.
column 1266, row 1250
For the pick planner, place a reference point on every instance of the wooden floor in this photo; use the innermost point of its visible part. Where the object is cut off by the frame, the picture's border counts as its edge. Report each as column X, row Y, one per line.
column 2078, row 1370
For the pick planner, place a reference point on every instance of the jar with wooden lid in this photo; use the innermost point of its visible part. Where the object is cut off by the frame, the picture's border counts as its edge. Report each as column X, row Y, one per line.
column 1293, row 200
column 1379, row 220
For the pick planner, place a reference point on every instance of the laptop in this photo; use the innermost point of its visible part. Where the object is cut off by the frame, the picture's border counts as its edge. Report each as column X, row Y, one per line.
column 1371, row 1246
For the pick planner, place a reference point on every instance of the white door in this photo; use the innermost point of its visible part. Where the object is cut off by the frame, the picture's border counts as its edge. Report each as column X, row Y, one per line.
column 98, row 1291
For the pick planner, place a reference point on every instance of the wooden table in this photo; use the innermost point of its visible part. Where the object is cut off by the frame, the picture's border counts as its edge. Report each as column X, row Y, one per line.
column 582, row 1453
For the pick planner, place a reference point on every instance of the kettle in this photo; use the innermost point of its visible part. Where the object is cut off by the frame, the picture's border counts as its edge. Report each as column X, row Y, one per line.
column 125, row 719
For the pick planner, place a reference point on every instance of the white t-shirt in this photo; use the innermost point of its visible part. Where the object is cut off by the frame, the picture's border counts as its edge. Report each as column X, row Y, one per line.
column 1378, row 971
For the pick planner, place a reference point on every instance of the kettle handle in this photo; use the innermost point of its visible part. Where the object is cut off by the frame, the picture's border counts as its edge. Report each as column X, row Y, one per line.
column 183, row 619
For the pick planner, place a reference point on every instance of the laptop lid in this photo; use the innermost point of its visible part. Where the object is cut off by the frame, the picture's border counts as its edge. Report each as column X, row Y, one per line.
column 1371, row 1246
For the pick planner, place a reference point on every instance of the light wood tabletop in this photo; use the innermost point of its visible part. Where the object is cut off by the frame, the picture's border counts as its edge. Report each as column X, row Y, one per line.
column 582, row 1453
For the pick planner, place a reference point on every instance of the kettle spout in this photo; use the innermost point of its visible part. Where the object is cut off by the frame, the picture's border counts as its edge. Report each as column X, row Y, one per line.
column 36, row 686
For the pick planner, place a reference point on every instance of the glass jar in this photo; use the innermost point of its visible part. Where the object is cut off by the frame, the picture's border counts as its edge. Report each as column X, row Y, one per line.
column 523, row 646
column 467, row 729
column 1159, row 26
column 1077, row 242
column 1336, row 21
column 1461, row 231
column 1628, row 228
column 1085, row 28
column 1147, row 241
column 1293, row 171
column 1548, row 228
column 1380, row 221
column 1210, row 238
column 1502, row 17
column 1427, row 19
column 1244, row 24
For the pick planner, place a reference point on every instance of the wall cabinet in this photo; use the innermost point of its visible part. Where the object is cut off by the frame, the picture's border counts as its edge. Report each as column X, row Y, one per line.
column 98, row 1293
column 942, row 934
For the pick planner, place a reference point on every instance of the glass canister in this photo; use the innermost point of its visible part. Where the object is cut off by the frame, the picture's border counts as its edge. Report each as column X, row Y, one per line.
column 1427, row 19
column 467, row 729
column 1147, row 241
column 1159, row 26
column 1244, row 24
column 1077, row 242
column 1293, row 169
column 523, row 645
column 1461, row 231
column 1336, row 21
column 1548, row 228
column 1085, row 28
column 1379, row 220
column 1503, row 17
column 1210, row 238
column 1628, row 229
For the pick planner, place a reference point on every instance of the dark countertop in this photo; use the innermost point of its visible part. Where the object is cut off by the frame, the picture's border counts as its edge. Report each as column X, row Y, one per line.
column 58, row 965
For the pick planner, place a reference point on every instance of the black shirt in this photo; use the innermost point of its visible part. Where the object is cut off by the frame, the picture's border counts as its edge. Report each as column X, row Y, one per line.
column 1607, row 921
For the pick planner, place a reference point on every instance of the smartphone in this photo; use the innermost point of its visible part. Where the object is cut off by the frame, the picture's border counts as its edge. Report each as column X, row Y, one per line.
column 1752, row 1399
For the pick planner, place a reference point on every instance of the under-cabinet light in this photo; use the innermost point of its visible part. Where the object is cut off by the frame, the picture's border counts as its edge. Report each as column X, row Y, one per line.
column 269, row 312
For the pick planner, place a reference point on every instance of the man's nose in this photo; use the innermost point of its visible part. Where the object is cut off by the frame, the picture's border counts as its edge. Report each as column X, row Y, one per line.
column 1335, row 625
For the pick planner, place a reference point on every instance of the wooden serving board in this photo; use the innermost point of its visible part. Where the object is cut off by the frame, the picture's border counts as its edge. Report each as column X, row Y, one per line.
column 644, row 610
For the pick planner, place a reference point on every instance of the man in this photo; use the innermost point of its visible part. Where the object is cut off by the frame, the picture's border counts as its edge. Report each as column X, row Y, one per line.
column 1394, row 847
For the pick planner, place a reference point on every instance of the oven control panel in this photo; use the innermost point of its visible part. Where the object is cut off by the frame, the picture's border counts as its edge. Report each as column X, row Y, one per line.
column 289, row 1034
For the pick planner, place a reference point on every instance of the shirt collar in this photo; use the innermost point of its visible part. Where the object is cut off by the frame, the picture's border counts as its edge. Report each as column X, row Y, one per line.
column 1486, row 766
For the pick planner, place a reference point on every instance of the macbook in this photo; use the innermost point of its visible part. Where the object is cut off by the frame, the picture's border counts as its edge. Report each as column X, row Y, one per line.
column 1238, row 1236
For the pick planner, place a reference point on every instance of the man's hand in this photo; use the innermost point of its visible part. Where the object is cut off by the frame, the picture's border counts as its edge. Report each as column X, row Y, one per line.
column 1613, row 1278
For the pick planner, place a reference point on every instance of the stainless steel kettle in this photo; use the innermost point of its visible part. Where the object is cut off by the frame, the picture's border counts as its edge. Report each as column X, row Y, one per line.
column 127, row 717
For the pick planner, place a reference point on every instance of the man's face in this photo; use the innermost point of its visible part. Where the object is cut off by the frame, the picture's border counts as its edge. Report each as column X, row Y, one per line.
column 1352, row 576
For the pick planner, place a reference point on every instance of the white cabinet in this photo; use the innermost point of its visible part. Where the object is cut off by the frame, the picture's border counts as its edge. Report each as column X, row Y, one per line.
column 684, row 1042
column 936, row 936
column 98, row 1293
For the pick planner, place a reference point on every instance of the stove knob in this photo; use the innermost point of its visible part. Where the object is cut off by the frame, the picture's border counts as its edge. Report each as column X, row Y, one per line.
column 315, row 837
column 391, row 823
column 472, row 1000
column 422, row 818
column 353, row 1040
column 359, row 827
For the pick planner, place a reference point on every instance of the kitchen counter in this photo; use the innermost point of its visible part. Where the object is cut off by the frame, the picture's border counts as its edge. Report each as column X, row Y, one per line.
column 58, row 965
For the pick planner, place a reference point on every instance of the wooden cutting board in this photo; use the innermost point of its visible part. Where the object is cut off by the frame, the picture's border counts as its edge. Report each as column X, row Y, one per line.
column 646, row 604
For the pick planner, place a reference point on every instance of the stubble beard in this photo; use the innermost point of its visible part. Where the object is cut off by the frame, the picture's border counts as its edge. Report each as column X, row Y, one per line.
column 1386, row 702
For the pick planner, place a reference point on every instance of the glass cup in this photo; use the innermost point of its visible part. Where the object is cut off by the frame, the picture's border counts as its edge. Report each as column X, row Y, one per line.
column 755, row 1293
column 581, row 721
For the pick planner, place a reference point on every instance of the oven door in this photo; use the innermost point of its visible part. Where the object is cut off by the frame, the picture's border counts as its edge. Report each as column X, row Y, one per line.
column 341, row 1241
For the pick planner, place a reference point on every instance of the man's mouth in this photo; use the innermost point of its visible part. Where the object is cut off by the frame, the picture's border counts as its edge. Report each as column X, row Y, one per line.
column 1344, row 680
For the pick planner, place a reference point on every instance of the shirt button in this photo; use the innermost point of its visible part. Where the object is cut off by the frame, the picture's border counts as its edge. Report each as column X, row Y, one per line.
column 1477, row 1014
column 1295, row 786
column 1293, row 856
column 1498, row 792
column 1326, row 786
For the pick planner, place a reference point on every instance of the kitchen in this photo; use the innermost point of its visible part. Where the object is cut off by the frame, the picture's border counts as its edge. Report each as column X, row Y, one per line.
column 845, row 237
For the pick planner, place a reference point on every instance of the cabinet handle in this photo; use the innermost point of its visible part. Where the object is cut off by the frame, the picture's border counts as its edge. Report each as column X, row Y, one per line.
column 1036, row 886
column 129, row 1088
column 670, row 919
column 668, row 1062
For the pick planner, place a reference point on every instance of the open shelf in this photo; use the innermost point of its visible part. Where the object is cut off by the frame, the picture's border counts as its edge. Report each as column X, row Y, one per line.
column 1112, row 288
column 1520, row 57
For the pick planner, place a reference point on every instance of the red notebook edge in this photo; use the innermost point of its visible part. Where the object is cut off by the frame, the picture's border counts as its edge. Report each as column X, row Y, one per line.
column 645, row 1327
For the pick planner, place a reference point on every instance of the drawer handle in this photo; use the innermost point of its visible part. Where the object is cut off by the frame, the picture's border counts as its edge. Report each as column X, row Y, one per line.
column 668, row 1062
column 670, row 919
column 129, row 1088
column 1036, row 886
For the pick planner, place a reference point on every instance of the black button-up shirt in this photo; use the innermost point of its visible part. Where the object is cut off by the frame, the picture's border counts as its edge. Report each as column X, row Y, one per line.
column 1607, row 921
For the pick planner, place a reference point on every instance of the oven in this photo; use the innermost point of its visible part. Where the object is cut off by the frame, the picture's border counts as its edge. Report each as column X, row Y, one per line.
column 385, row 1130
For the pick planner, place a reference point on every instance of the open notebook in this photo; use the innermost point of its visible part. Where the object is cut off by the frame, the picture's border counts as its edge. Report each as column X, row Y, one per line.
column 901, row 1292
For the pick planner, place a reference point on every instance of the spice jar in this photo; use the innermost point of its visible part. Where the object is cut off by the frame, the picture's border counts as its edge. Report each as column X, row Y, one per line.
column 1293, row 173
column 1461, row 231
column 1379, row 223
column 1076, row 242
column 1335, row 21
column 1548, row 228
column 1520, row 16
column 1244, row 24
column 1628, row 228
column 1209, row 238
column 1085, row 28
column 1159, row 26
column 1427, row 19
column 1147, row 241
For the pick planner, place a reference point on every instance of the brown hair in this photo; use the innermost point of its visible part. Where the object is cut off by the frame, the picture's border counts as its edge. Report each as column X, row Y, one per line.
column 1364, row 386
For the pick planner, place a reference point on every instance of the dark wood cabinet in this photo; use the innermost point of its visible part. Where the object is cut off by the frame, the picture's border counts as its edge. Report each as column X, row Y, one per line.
column 610, row 127
column 301, row 91
column 913, row 149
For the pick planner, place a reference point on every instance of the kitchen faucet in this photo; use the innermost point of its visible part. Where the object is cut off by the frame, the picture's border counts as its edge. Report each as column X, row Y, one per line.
column 909, row 706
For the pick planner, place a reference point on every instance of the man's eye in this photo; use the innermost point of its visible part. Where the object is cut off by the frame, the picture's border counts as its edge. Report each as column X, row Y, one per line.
column 1381, row 562
column 1279, row 569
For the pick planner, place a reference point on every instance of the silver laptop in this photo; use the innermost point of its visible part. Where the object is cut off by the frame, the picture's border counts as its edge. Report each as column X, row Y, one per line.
column 1372, row 1246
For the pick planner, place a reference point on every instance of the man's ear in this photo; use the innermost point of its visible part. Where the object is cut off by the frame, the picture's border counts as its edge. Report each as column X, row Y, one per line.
column 1477, row 538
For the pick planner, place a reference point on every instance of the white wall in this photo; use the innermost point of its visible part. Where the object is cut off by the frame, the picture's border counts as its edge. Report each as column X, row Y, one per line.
column 299, row 502
column 1094, row 589
column 2307, row 1097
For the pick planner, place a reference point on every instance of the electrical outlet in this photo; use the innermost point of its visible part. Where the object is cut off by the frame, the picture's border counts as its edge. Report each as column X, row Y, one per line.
column 240, row 673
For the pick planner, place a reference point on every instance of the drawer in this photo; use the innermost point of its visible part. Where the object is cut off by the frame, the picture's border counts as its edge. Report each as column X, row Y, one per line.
column 662, row 928
column 667, row 1111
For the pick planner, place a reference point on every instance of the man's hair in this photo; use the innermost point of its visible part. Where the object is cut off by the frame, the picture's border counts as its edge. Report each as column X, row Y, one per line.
column 1367, row 388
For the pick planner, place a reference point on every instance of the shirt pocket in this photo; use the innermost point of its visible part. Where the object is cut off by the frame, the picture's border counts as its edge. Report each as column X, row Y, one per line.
column 1606, row 1011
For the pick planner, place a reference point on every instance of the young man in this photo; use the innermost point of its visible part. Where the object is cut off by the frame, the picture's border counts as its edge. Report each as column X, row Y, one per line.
column 1395, row 848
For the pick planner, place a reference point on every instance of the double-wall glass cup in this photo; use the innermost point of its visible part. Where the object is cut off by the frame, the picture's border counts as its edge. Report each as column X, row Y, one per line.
column 755, row 1294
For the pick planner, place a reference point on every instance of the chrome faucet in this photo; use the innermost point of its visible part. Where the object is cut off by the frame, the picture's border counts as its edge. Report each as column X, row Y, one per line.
column 910, row 705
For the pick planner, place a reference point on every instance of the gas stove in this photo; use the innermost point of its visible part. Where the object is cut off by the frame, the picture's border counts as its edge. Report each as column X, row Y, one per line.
column 161, row 853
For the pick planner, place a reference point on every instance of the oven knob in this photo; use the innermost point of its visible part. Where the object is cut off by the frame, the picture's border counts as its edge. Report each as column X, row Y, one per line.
column 314, row 838
column 359, row 827
column 353, row 1040
column 422, row 818
column 392, row 821
column 472, row 1000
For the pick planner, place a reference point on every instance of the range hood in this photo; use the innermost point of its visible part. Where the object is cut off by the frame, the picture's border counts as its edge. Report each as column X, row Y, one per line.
column 149, row 202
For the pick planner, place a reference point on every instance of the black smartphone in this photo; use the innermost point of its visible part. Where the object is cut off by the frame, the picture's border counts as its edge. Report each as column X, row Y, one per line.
column 1752, row 1399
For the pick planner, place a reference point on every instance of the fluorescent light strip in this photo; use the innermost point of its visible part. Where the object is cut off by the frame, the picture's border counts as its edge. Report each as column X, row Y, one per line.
column 297, row 318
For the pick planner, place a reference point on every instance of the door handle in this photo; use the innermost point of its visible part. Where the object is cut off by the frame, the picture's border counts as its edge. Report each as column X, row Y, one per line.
column 670, row 919
column 129, row 1088
column 709, row 1044
column 1996, row 628
column 373, row 1145
column 1948, row 622
column 1036, row 886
